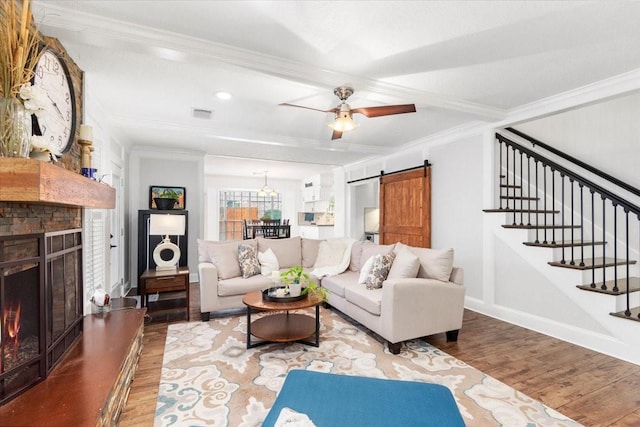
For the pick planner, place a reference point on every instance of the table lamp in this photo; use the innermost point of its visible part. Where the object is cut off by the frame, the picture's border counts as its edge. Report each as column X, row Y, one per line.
column 166, row 225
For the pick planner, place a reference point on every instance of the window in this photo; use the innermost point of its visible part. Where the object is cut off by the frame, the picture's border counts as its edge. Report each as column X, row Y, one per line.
column 238, row 205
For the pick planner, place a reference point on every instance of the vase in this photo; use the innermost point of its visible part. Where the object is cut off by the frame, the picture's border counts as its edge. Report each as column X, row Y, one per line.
column 294, row 289
column 164, row 204
column 15, row 128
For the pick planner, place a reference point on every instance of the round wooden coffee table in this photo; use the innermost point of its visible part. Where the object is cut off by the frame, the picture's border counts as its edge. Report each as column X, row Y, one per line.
column 282, row 326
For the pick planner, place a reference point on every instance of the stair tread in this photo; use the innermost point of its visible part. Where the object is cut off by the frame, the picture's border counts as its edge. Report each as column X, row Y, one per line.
column 634, row 286
column 510, row 186
column 590, row 263
column 533, row 227
column 562, row 244
column 635, row 312
column 510, row 210
column 519, row 198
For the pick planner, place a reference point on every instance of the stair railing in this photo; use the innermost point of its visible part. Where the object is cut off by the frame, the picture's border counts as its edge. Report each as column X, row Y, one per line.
column 536, row 176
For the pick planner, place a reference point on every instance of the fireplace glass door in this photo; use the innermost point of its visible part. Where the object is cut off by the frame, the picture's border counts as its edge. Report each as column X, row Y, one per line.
column 21, row 320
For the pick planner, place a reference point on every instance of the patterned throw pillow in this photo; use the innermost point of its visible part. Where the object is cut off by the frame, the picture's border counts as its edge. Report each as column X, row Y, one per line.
column 379, row 270
column 248, row 261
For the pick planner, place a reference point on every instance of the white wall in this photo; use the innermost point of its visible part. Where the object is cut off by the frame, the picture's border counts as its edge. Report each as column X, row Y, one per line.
column 164, row 168
column 606, row 135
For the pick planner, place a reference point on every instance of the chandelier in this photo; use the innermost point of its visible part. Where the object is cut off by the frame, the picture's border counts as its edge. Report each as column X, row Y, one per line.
column 266, row 190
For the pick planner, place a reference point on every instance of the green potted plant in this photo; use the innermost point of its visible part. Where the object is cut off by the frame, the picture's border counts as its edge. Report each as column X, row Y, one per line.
column 166, row 199
column 296, row 276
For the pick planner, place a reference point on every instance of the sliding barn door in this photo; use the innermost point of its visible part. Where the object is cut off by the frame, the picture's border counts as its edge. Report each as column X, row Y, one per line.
column 405, row 208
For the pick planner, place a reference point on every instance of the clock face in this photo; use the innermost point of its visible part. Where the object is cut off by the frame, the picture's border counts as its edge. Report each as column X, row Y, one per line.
column 58, row 123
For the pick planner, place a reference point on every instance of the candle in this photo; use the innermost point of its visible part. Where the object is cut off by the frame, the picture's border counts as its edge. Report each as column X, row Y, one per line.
column 86, row 133
column 275, row 275
column 280, row 292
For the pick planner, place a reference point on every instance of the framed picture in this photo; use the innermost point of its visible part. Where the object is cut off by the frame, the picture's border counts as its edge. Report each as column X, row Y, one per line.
column 166, row 192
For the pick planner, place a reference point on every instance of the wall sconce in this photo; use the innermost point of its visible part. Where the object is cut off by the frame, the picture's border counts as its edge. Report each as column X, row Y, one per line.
column 166, row 225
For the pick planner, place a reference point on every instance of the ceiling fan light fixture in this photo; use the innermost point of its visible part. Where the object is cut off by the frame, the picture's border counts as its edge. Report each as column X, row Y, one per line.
column 343, row 124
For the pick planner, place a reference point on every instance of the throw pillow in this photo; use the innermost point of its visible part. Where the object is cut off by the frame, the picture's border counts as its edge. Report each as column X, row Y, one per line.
column 268, row 262
column 248, row 261
column 434, row 263
column 225, row 257
column 370, row 250
column 405, row 266
column 365, row 270
column 379, row 270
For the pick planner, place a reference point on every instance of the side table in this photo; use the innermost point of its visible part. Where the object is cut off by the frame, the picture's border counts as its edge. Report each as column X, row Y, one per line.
column 158, row 281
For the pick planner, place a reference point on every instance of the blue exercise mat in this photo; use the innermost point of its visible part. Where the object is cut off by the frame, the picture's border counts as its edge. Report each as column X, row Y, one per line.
column 331, row 400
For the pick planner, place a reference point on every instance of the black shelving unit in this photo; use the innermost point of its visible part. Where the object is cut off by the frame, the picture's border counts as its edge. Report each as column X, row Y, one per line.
column 147, row 243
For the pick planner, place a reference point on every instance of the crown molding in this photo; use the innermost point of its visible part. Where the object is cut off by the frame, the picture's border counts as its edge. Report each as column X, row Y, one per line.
column 613, row 87
column 105, row 32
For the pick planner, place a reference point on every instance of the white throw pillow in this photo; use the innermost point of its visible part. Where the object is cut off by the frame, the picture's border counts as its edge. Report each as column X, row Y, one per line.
column 268, row 262
column 405, row 266
column 365, row 270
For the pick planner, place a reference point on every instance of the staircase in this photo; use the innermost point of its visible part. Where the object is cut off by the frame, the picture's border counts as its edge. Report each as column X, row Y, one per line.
column 576, row 212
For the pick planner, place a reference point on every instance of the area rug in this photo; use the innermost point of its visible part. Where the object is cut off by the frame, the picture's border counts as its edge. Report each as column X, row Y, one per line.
column 209, row 378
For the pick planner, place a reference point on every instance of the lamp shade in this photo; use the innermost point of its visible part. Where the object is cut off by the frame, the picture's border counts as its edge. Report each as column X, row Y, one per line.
column 168, row 225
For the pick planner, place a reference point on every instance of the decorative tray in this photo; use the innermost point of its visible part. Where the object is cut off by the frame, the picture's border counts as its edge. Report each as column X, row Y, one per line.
column 270, row 295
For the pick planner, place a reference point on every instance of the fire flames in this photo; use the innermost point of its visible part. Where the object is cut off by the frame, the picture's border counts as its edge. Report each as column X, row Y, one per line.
column 10, row 329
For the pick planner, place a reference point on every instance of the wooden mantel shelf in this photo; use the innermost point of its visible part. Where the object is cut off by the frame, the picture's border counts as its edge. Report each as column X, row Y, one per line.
column 33, row 181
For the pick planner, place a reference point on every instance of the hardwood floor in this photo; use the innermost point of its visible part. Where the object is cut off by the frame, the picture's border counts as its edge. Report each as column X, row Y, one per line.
column 589, row 387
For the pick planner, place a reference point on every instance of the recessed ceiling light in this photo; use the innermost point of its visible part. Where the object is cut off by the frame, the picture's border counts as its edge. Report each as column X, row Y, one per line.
column 223, row 95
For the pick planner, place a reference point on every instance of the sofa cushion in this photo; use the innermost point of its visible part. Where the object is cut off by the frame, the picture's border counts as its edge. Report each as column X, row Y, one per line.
column 332, row 252
column 204, row 245
column 367, row 299
column 225, row 257
column 240, row 286
column 288, row 251
column 268, row 262
column 248, row 261
column 337, row 284
column 434, row 263
column 379, row 270
column 310, row 251
column 370, row 250
column 405, row 266
column 356, row 254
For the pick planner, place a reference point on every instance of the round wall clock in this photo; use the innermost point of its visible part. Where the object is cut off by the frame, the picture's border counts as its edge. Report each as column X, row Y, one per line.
column 58, row 124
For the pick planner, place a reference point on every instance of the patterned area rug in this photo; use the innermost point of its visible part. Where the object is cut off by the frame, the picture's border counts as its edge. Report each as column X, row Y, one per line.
column 209, row 378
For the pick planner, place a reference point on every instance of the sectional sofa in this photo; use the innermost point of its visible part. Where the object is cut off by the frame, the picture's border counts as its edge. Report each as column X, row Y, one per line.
column 421, row 292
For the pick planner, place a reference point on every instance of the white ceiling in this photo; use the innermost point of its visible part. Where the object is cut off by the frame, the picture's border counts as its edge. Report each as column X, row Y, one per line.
column 148, row 63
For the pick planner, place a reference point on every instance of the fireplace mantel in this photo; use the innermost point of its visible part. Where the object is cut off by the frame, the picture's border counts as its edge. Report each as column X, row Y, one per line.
column 34, row 181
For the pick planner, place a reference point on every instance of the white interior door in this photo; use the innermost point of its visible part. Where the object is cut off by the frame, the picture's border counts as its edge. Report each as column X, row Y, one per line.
column 116, row 236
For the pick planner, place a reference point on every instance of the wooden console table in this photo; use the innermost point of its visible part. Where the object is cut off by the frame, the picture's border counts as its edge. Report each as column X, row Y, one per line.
column 91, row 384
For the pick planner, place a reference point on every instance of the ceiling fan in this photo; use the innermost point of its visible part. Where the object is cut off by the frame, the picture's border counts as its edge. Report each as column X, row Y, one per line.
column 343, row 121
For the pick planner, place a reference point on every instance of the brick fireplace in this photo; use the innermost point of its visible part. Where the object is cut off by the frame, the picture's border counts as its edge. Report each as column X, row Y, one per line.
column 41, row 282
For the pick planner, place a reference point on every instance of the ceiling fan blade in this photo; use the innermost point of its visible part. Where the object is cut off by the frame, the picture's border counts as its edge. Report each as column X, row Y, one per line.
column 333, row 110
column 336, row 135
column 385, row 110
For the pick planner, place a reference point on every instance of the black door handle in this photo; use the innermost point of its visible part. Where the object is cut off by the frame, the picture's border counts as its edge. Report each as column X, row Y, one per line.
column 112, row 246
